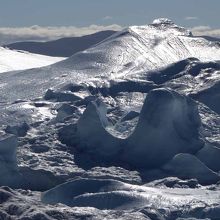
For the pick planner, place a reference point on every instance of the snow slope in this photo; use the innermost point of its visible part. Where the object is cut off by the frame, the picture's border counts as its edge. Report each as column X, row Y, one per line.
column 122, row 56
column 142, row 48
column 11, row 60
column 96, row 193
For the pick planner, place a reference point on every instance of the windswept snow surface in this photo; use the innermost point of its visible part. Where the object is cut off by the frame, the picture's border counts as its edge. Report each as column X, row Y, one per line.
column 127, row 129
column 11, row 60
column 122, row 56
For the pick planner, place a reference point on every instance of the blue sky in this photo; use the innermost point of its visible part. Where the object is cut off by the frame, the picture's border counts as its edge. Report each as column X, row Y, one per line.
column 199, row 14
column 14, row 13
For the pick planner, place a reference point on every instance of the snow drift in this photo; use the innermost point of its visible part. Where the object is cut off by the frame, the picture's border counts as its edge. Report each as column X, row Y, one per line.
column 11, row 60
column 111, row 194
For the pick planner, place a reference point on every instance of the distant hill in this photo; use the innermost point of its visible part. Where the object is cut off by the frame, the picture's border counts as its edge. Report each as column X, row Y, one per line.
column 63, row 47
column 211, row 38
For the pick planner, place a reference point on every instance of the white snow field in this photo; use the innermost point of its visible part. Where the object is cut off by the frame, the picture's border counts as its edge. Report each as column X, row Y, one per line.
column 127, row 129
column 11, row 60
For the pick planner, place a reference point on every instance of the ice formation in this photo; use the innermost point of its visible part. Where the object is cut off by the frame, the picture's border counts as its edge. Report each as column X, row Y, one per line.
column 168, row 124
column 127, row 129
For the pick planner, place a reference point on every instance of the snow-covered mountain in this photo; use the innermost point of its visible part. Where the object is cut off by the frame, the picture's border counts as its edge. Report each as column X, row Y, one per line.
column 11, row 60
column 126, row 55
column 63, row 47
column 127, row 129
column 210, row 38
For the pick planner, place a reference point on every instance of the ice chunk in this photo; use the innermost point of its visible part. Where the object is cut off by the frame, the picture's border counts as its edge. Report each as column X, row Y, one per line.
column 8, row 148
column 210, row 96
column 18, row 130
column 65, row 111
column 168, row 124
column 210, row 155
column 61, row 96
column 8, row 161
column 187, row 166
column 130, row 115
column 66, row 192
column 91, row 131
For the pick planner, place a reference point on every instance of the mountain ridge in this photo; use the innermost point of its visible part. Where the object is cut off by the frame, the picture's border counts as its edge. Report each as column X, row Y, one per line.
column 63, row 47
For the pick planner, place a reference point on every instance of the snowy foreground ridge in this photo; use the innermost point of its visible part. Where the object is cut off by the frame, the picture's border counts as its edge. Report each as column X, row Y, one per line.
column 127, row 129
column 11, row 60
